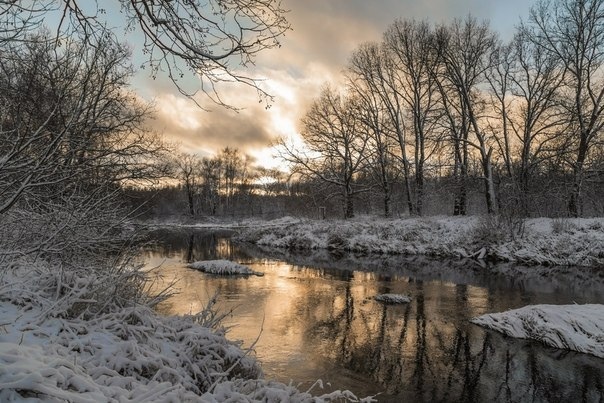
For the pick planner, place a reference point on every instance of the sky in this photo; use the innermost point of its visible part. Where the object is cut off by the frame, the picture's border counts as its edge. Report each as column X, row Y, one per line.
column 324, row 34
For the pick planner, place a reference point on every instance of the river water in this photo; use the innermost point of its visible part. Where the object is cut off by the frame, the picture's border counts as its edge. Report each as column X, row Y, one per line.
column 312, row 316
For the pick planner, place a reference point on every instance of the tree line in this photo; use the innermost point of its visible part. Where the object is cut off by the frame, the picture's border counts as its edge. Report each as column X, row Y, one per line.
column 74, row 136
column 454, row 102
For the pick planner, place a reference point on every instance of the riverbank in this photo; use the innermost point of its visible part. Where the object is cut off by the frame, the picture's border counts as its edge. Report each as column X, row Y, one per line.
column 539, row 241
column 82, row 336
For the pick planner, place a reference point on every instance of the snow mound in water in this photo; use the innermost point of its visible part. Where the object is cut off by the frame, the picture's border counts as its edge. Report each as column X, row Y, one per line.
column 571, row 327
column 392, row 298
column 223, row 267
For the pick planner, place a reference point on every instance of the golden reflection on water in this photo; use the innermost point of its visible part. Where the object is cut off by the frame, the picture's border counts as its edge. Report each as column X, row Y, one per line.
column 313, row 323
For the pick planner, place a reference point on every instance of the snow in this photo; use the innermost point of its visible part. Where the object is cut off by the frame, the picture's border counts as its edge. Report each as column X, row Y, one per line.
column 392, row 298
column 544, row 241
column 83, row 336
column 223, row 267
column 571, row 327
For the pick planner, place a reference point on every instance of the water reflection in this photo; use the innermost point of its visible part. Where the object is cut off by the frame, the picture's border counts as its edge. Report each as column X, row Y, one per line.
column 317, row 319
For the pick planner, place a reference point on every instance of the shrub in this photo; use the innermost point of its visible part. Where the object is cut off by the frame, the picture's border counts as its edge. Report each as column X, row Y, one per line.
column 337, row 242
column 562, row 225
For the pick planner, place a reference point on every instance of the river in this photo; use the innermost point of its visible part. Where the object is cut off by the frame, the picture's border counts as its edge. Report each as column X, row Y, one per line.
column 312, row 316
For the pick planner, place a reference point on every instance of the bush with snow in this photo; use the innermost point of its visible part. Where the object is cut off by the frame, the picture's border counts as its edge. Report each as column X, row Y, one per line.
column 493, row 238
column 223, row 267
column 571, row 327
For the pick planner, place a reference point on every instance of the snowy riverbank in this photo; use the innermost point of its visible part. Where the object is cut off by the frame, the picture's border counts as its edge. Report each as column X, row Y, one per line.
column 73, row 336
column 540, row 241
column 570, row 327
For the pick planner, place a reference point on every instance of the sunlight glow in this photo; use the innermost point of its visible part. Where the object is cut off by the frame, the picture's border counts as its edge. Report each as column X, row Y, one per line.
column 180, row 110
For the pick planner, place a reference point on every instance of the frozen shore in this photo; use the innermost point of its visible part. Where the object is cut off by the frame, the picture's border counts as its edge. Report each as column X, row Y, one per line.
column 539, row 241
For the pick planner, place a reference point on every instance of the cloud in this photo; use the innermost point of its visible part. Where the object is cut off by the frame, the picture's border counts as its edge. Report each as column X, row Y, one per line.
column 324, row 35
column 206, row 133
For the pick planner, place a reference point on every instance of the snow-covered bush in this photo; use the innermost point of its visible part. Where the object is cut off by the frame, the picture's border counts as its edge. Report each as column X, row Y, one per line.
column 336, row 241
column 490, row 230
column 222, row 267
column 530, row 241
column 562, row 225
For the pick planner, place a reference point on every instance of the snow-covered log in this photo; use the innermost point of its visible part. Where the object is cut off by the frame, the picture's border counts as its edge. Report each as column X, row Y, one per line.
column 572, row 327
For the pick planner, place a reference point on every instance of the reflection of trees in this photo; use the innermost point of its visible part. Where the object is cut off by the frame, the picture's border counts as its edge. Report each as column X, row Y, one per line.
column 415, row 351
column 192, row 245
column 338, row 324
column 410, row 351
column 421, row 345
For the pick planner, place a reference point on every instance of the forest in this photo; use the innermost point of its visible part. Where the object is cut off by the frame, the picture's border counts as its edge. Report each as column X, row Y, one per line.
column 434, row 119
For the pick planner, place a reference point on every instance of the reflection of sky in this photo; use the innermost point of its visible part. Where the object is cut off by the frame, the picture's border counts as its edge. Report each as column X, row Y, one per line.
column 323, row 323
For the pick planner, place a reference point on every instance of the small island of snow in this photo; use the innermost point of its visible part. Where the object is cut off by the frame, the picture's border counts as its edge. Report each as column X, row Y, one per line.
column 223, row 267
column 571, row 327
column 392, row 298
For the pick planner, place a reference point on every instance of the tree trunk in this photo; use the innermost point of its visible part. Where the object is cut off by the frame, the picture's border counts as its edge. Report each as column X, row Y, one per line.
column 190, row 199
column 408, row 188
column 348, row 202
column 489, row 184
column 419, row 189
column 460, row 174
column 387, row 212
column 574, row 203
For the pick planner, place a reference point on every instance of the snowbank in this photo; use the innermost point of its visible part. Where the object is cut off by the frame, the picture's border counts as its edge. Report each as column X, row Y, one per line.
column 81, row 337
column 392, row 298
column 571, row 327
column 553, row 242
column 223, row 267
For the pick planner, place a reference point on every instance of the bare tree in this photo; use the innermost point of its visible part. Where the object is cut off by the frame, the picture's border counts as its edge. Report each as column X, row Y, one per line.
column 362, row 76
column 334, row 150
column 207, row 41
column 373, row 65
column 573, row 32
column 524, row 81
column 188, row 168
column 409, row 43
column 232, row 165
column 66, row 117
column 71, row 136
column 211, row 172
column 464, row 49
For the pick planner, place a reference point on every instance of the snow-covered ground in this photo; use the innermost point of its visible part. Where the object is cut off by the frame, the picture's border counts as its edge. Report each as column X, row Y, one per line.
column 223, row 267
column 541, row 241
column 571, row 327
column 79, row 336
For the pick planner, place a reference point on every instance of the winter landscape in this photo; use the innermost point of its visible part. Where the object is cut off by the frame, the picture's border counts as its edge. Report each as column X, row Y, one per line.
column 281, row 201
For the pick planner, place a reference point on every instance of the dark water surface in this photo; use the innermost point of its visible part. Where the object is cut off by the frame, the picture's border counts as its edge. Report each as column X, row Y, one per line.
column 315, row 318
